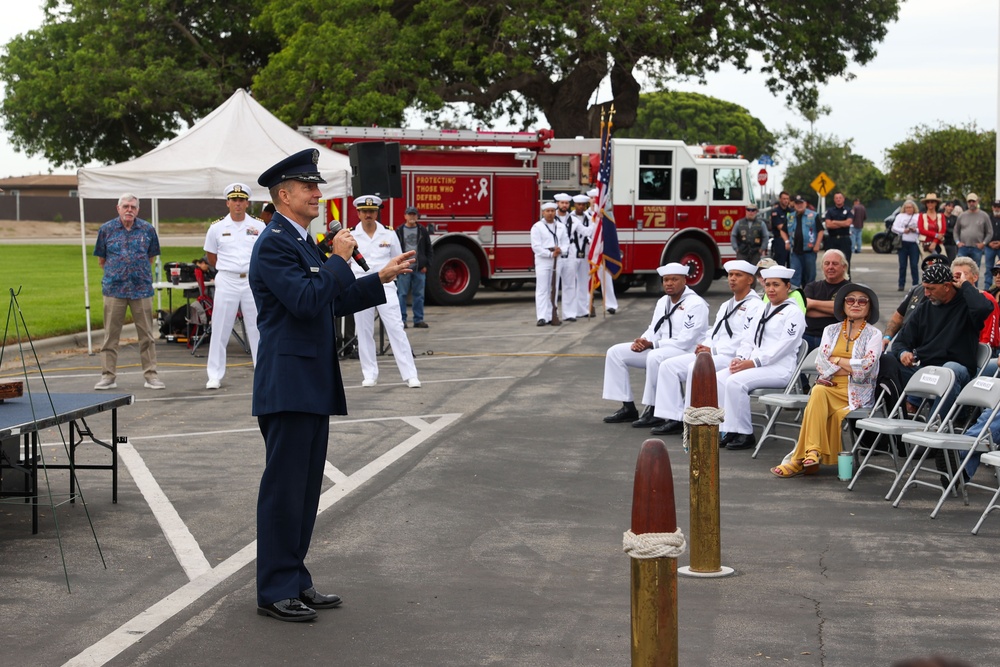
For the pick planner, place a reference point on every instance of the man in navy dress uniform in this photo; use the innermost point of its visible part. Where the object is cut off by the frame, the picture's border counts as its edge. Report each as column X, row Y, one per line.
column 297, row 383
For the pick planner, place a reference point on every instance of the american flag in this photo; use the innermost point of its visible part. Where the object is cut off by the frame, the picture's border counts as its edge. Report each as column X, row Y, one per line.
column 604, row 249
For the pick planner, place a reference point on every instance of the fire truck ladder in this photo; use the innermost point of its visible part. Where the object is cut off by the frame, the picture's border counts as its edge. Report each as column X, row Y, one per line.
column 332, row 134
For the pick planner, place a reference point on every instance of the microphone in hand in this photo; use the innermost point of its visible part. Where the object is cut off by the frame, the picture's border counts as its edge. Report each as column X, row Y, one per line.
column 335, row 227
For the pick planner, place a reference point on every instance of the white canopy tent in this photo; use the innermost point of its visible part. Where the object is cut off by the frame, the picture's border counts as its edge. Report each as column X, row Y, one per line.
column 234, row 143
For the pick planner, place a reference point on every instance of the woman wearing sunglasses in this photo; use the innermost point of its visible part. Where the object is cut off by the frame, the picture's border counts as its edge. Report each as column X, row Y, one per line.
column 848, row 366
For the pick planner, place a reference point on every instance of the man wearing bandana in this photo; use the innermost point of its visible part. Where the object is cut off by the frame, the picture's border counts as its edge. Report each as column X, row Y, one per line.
column 944, row 329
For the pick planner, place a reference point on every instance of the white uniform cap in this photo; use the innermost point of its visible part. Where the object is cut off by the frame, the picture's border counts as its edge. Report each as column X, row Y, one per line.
column 237, row 191
column 549, row 206
column 673, row 269
column 740, row 265
column 581, row 199
column 778, row 272
column 367, row 201
column 592, row 192
column 562, row 196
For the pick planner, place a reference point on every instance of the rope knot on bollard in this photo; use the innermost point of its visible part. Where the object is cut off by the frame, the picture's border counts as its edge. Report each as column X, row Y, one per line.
column 654, row 545
column 706, row 416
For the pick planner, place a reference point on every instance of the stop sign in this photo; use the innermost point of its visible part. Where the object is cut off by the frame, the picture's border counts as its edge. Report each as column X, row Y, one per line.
column 762, row 176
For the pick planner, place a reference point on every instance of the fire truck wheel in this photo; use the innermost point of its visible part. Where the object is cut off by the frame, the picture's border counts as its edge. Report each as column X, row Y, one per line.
column 699, row 259
column 453, row 277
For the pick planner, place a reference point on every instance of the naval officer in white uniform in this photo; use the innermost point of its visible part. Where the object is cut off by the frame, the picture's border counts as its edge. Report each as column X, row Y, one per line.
column 766, row 359
column 722, row 342
column 378, row 245
column 679, row 322
column 549, row 243
column 228, row 245
column 576, row 293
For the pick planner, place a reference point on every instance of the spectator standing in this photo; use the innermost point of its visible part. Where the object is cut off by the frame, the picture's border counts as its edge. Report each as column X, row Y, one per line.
column 907, row 225
column 820, row 294
column 931, row 226
column 973, row 230
column 992, row 250
column 125, row 248
column 750, row 238
column 379, row 246
column 839, row 221
column 267, row 212
column 779, row 221
column 860, row 217
column 228, row 245
column 414, row 236
column 950, row 219
column 803, row 239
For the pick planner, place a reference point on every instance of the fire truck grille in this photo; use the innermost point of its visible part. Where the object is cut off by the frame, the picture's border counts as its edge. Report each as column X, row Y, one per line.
column 555, row 171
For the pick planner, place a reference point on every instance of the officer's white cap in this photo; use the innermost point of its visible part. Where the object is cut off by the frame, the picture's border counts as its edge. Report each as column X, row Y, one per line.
column 581, row 199
column 237, row 191
column 367, row 201
column 592, row 192
column 562, row 196
column 778, row 272
column 740, row 265
column 549, row 206
column 673, row 269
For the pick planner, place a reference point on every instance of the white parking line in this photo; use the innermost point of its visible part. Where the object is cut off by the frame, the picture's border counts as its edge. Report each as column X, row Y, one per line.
column 132, row 631
column 179, row 537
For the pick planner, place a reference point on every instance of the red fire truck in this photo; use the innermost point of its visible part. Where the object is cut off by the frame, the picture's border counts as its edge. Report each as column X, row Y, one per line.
column 480, row 192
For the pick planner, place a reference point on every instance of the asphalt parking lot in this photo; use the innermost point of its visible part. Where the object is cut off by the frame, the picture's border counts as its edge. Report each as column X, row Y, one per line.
column 475, row 521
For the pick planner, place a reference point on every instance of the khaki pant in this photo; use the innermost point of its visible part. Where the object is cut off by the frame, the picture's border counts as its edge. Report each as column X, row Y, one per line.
column 114, row 318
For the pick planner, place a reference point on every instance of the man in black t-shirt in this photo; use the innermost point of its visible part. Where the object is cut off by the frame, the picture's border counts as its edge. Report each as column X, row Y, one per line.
column 779, row 218
column 839, row 220
column 819, row 296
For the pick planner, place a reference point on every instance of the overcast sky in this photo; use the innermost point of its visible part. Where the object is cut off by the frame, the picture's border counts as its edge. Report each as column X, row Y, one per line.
column 938, row 63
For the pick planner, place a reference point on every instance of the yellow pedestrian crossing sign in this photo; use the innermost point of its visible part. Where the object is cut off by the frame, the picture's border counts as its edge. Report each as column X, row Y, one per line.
column 822, row 184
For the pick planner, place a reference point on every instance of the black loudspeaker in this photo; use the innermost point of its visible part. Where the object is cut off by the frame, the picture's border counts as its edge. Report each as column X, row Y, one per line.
column 393, row 171
column 375, row 169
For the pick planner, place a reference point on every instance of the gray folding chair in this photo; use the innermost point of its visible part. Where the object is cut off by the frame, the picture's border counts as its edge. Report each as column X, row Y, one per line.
column 981, row 393
column 990, row 459
column 929, row 384
column 792, row 383
column 775, row 403
column 983, row 355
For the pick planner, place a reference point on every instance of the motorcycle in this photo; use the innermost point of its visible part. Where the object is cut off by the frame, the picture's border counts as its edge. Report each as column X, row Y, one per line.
column 888, row 241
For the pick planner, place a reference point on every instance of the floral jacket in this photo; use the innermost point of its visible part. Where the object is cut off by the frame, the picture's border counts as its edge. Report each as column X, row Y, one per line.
column 864, row 363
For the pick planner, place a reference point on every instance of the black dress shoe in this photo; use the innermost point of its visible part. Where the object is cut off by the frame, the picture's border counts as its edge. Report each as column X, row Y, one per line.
column 647, row 419
column 725, row 439
column 290, row 610
column 541, row 323
column 569, row 319
column 317, row 600
column 741, row 441
column 611, row 311
column 624, row 414
column 668, row 427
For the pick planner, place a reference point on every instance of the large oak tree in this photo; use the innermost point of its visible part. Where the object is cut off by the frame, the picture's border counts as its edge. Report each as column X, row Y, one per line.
column 108, row 81
column 359, row 62
column 949, row 160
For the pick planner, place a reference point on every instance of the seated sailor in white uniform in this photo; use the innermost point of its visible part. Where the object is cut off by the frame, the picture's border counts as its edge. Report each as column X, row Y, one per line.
column 767, row 359
column 722, row 342
column 679, row 321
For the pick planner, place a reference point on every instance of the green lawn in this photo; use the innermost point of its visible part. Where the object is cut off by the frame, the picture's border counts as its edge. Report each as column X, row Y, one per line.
column 50, row 280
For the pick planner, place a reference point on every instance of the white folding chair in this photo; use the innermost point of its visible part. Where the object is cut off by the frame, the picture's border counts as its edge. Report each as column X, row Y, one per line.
column 774, row 403
column 983, row 355
column 929, row 384
column 981, row 393
column 990, row 459
column 800, row 357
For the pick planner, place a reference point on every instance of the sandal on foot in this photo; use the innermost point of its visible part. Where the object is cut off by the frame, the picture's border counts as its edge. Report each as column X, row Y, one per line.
column 810, row 464
column 787, row 470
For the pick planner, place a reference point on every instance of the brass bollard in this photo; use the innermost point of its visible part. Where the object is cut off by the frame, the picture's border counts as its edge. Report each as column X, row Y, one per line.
column 654, row 580
column 705, row 538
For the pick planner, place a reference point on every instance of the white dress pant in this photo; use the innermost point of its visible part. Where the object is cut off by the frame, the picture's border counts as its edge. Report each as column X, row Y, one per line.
column 392, row 319
column 734, row 394
column 674, row 373
column 619, row 359
column 232, row 294
column 580, row 307
column 608, row 288
column 543, row 287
